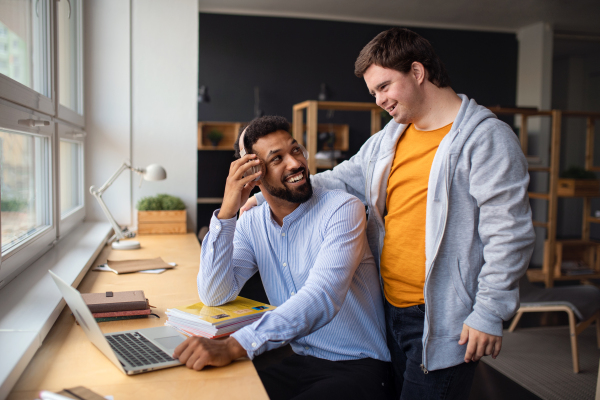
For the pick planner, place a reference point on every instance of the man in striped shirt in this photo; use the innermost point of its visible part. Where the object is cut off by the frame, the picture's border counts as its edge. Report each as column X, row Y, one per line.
column 311, row 250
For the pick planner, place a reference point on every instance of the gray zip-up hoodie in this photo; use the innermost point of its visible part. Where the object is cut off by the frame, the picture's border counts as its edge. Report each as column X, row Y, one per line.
column 479, row 233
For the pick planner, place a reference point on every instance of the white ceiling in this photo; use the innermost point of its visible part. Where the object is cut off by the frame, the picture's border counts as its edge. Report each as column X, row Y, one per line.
column 572, row 16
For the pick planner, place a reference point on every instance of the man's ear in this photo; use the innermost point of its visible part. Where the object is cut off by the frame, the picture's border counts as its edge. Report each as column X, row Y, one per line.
column 419, row 72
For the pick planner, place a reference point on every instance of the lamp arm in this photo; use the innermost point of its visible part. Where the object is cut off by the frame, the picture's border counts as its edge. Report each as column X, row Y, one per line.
column 118, row 232
column 98, row 195
column 110, row 180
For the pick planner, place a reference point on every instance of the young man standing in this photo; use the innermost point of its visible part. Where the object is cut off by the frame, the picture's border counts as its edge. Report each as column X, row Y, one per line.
column 449, row 220
column 316, row 267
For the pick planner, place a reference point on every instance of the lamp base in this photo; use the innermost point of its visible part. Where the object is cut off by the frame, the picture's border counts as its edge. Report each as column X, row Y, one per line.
column 126, row 245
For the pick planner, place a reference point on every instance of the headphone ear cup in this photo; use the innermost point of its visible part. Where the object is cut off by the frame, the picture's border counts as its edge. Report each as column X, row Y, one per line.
column 304, row 151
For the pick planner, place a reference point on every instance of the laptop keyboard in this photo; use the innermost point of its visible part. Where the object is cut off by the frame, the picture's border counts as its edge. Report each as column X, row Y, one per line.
column 136, row 349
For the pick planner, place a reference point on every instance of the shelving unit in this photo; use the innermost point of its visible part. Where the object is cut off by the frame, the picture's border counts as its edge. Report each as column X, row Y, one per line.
column 554, row 249
column 228, row 129
column 312, row 107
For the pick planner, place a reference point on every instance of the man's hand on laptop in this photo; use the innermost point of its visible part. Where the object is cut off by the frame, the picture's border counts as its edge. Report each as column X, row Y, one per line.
column 238, row 187
column 198, row 352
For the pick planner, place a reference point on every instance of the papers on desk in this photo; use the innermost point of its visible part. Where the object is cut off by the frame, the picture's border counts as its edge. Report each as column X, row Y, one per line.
column 214, row 322
column 149, row 266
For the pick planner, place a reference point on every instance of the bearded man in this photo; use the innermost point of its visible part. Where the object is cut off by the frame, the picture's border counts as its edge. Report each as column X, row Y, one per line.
column 311, row 249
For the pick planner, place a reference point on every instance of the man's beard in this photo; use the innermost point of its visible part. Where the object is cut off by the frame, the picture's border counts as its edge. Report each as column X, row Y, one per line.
column 299, row 195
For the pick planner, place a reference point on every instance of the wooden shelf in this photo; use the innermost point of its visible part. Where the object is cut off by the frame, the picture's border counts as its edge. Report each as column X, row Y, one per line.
column 537, row 275
column 311, row 108
column 228, row 129
column 588, row 252
column 210, row 200
column 341, row 132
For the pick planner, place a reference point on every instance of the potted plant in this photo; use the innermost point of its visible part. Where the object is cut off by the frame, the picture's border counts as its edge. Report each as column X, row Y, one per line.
column 161, row 214
column 215, row 137
column 578, row 182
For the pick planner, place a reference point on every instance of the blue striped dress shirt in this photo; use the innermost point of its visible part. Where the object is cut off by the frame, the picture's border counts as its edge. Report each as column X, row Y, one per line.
column 316, row 268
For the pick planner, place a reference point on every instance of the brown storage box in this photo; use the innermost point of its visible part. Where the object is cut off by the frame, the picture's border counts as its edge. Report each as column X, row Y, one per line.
column 161, row 222
column 578, row 187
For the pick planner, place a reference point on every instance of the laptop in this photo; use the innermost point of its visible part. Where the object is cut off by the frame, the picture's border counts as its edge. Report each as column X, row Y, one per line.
column 133, row 352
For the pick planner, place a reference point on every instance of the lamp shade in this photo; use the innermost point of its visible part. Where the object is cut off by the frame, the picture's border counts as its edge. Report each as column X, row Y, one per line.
column 154, row 172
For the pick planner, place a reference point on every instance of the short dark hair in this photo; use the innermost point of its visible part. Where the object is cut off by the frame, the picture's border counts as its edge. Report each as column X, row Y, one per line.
column 258, row 128
column 398, row 48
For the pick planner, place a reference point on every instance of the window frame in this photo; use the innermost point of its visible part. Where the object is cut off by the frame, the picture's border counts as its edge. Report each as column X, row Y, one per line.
column 74, row 217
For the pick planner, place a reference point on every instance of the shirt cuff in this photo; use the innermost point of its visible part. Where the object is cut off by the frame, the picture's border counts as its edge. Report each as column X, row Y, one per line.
column 251, row 342
column 484, row 322
column 221, row 226
column 259, row 198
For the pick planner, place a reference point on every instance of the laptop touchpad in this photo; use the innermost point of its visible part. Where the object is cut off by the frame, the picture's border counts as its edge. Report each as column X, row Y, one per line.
column 169, row 342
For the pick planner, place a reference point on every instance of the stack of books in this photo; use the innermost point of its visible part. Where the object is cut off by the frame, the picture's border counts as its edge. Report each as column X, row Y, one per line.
column 115, row 306
column 215, row 322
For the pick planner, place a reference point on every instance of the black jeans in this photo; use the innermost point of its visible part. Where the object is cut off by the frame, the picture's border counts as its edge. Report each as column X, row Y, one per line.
column 304, row 377
column 404, row 335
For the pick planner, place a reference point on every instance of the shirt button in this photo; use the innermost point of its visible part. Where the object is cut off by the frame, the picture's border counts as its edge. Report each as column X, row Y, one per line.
column 305, row 347
column 216, row 228
column 285, row 264
column 293, row 293
column 283, row 234
column 253, row 344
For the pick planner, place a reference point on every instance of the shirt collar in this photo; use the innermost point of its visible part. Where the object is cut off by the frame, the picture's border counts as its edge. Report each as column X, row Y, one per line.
column 301, row 210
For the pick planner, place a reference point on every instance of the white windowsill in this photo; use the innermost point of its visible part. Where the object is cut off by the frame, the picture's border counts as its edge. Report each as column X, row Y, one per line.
column 31, row 303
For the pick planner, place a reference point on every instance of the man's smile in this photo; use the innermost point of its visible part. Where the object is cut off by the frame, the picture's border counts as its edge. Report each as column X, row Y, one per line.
column 295, row 178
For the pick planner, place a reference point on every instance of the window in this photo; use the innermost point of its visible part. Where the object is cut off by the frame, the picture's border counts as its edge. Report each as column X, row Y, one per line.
column 41, row 134
column 25, row 49
column 69, row 79
column 70, row 174
column 71, row 162
column 26, row 202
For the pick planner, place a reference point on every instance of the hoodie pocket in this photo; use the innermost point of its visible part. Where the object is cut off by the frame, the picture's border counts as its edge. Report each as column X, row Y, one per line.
column 449, row 302
column 459, row 286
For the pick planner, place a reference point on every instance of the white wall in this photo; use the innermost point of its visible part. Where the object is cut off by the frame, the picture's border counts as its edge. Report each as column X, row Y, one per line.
column 107, row 105
column 534, row 89
column 165, row 93
column 141, row 69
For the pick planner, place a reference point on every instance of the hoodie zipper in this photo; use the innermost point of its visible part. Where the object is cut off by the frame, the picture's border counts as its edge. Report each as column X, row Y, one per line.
column 447, row 170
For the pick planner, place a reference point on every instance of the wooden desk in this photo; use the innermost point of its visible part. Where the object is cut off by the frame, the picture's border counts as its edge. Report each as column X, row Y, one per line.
column 67, row 358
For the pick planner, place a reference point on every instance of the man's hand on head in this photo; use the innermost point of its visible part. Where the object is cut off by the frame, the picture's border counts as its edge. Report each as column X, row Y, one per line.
column 238, row 187
column 198, row 352
column 479, row 344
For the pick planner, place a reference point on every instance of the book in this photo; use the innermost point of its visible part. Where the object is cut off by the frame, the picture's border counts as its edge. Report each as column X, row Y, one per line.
column 212, row 322
column 115, row 301
column 121, row 318
column 122, row 313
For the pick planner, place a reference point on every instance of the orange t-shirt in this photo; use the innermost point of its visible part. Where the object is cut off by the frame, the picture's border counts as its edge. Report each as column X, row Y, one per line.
column 403, row 255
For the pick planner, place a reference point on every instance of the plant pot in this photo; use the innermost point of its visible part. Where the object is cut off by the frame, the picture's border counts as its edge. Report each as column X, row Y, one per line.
column 578, row 187
column 215, row 143
column 150, row 222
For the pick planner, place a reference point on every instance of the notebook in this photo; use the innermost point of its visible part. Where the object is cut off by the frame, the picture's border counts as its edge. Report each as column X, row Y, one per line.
column 132, row 352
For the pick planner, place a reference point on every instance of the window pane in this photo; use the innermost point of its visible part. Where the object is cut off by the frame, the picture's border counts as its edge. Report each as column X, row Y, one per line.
column 69, row 55
column 25, row 186
column 71, row 190
column 25, row 43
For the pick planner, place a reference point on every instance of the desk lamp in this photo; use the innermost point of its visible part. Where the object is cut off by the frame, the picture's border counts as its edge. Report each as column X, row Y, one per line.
column 153, row 172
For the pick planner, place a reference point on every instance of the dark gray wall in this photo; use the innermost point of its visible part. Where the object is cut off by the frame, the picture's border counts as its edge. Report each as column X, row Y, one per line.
column 290, row 58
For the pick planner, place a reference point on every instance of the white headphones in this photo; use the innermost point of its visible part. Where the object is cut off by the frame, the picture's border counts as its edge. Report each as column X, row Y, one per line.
column 255, row 169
